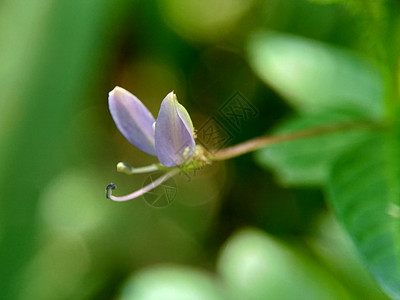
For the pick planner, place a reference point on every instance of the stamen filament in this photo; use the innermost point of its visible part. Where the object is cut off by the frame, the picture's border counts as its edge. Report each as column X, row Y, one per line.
column 127, row 169
column 143, row 190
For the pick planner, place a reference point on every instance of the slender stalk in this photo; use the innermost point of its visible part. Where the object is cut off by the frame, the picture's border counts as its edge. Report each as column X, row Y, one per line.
column 264, row 141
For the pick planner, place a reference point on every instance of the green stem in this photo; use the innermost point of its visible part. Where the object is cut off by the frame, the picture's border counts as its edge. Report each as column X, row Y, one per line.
column 264, row 141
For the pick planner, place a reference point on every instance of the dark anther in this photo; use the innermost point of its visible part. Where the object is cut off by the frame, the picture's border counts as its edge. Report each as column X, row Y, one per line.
column 109, row 188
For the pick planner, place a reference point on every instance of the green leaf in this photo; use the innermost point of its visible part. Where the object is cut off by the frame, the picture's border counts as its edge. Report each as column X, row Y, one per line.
column 364, row 193
column 314, row 76
column 307, row 161
column 333, row 247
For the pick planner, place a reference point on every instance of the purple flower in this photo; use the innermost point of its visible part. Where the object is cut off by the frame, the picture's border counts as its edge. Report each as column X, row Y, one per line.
column 170, row 137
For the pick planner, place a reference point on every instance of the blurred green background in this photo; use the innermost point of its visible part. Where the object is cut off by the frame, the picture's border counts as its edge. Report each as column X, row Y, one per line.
column 234, row 231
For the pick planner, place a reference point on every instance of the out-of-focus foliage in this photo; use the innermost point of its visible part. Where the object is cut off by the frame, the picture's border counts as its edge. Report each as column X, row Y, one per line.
column 173, row 283
column 61, row 239
column 316, row 77
column 253, row 265
column 359, row 171
column 256, row 266
column 205, row 19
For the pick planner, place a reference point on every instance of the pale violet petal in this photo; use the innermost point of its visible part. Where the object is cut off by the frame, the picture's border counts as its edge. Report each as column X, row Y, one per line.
column 173, row 133
column 133, row 119
column 185, row 116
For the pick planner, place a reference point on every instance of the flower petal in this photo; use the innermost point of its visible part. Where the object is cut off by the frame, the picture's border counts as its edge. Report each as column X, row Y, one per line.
column 133, row 119
column 173, row 133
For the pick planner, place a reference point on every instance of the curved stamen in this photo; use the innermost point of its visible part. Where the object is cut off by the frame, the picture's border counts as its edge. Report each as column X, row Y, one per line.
column 143, row 190
column 127, row 169
column 111, row 186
